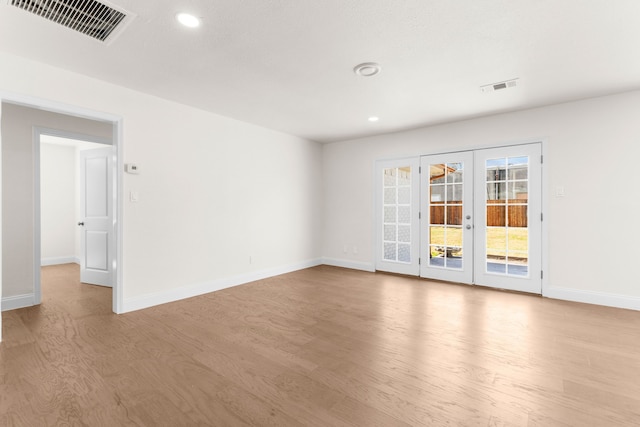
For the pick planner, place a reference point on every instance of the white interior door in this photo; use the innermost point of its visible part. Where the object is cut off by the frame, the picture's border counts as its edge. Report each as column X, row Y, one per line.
column 96, row 199
column 397, row 212
column 446, row 218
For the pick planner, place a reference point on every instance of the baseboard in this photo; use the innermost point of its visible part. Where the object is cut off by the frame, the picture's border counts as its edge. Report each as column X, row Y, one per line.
column 592, row 297
column 59, row 260
column 157, row 298
column 354, row 265
column 18, row 301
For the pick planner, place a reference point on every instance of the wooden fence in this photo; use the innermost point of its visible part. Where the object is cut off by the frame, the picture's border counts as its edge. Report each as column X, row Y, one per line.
column 497, row 212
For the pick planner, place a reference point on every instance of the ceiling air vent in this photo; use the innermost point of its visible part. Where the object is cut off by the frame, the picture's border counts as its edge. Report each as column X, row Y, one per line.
column 95, row 19
column 499, row 86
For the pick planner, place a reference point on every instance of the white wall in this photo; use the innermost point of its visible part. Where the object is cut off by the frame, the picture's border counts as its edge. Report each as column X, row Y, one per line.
column 58, row 181
column 213, row 191
column 590, row 146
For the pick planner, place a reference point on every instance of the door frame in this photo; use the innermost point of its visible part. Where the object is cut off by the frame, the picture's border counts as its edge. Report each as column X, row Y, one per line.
column 544, row 197
column 118, row 165
column 38, row 132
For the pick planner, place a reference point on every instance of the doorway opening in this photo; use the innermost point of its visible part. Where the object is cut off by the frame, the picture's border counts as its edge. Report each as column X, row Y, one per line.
column 61, row 187
column 28, row 277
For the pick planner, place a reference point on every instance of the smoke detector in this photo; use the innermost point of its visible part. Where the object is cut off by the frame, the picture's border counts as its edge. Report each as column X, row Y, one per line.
column 499, row 86
column 90, row 17
column 367, row 69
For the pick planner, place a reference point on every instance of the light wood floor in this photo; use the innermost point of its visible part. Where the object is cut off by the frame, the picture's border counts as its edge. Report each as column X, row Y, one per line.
column 319, row 347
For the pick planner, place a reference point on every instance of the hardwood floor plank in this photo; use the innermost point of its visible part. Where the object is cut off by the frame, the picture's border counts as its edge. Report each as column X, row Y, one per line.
column 323, row 346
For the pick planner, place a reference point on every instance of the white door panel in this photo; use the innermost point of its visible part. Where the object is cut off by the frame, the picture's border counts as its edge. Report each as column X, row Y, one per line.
column 446, row 220
column 508, row 205
column 397, row 210
column 96, row 198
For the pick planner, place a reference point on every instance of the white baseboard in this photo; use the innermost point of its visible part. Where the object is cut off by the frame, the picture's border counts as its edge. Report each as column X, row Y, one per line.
column 59, row 260
column 592, row 297
column 157, row 298
column 18, row 301
column 354, row 265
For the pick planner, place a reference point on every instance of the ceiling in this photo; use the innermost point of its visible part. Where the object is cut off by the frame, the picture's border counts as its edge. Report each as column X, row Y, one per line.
column 288, row 64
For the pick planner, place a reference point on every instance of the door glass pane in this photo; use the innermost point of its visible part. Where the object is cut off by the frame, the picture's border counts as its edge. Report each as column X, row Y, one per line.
column 404, row 233
column 445, row 214
column 507, row 240
column 454, row 193
column 437, row 193
column 389, row 196
column 437, row 173
column 454, row 172
column 404, row 252
column 454, row 214
column 396, row 210
column 389, row 232
column 436, row 236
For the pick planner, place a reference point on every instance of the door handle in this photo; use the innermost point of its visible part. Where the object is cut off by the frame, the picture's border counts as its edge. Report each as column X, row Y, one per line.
column 468, row 226
column 81, row 223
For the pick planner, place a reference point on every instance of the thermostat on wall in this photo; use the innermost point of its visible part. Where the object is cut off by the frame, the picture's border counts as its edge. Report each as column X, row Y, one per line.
column 132, row 168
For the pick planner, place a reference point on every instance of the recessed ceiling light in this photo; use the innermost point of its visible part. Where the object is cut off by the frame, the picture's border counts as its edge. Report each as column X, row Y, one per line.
column 367, row 69
column 374, row 119
column 188, row 20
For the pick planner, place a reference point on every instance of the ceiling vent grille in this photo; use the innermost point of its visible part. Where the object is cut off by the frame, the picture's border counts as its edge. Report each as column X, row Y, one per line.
column 499, row 86
column 95, row 19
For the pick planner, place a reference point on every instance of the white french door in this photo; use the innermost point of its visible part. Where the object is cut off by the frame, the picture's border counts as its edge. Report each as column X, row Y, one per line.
column 479, row 213
column 397, row 212
column 508, row 212
column 447, row 217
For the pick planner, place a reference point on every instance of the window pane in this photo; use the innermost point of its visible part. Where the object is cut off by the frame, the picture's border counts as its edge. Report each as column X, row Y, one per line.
column 454, row 215
column 517, row 216
column 436, row 236
column 454, row 193
column 390, row 214
column 497, row 191
column 404, row 233
column 454, row 172
column 404, row 195
column 436, row 215
column 404, row 214
column 404, row 176
column 437, row 193
column 518, row 191
column 390, row 233
column 404, row 252
column 389, row 177
column 496, row 215
column 496, row 169
column 437, row 173
column 390, row 196
column 390, row 251
column 518, row 167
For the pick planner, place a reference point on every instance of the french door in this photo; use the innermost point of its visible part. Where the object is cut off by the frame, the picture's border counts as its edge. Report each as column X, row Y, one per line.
column 479, row 219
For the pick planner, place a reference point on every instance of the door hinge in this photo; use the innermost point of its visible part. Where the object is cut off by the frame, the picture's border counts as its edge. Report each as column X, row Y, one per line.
column 541, row 216
column 541, row 274
column 419, row 261
column 419, row 215
column 541, row 159
column 419, row 169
